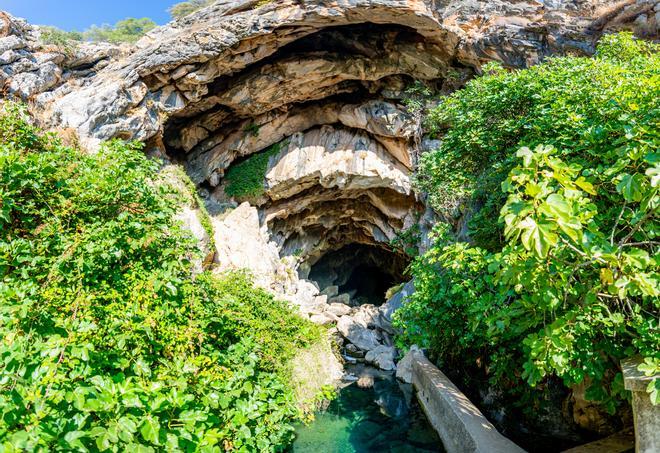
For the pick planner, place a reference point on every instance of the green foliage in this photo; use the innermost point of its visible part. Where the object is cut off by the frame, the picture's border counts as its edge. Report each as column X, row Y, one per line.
column 182, row 9
column 246, row 179
column 570, row 286
column 61, row 38
column 127, row 30
column 407, row 241
column 108, row 343
column 582, row 106
column 416, row 95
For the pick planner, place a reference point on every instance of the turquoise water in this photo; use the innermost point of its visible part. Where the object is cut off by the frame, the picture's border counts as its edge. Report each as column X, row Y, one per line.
column 384, row 418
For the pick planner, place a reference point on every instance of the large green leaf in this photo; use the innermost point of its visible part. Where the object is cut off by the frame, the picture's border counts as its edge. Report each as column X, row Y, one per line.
column 538, row 236
column 150, row 430
column 631, row 187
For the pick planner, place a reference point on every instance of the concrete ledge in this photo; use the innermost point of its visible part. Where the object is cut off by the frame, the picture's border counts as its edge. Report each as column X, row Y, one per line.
column 646, row 416
column 461, row 426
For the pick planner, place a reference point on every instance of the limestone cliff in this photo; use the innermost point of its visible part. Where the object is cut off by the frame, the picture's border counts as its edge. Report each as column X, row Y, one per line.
column 326, row 83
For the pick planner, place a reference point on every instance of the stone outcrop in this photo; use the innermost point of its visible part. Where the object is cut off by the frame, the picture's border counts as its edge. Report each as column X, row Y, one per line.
column 241, row 57
column 325, row 80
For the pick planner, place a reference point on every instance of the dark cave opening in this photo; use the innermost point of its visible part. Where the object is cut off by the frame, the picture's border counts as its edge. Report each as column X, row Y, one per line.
column 363, row 272
column 369, row 284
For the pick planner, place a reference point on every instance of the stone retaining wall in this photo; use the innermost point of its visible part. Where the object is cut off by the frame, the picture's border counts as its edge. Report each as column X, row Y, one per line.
column 461, row 426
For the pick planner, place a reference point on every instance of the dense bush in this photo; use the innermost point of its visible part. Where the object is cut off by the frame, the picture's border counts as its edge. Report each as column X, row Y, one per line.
column 128, row 30
column 108, row 342
column 561, row 163
column 55, row 36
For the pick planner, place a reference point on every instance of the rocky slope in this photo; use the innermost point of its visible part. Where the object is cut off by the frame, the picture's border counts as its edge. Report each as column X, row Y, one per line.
column 326, row 81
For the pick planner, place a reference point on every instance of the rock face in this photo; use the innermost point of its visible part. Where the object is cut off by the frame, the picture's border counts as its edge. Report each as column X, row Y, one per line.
column 325, row 81
column 236, row 58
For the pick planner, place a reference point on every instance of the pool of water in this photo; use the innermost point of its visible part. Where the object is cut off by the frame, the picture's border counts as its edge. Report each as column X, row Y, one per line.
column 383, row 418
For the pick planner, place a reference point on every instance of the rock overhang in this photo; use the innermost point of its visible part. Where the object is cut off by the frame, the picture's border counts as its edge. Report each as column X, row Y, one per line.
column 322, row 99
column 240, row 76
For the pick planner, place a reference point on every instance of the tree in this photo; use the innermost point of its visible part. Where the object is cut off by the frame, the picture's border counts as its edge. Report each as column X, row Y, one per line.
column 182, row 9
column 560, row 164
column 127, row 30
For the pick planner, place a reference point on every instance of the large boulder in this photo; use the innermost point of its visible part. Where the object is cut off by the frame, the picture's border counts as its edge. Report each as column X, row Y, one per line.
column 338, row 309
column 386, row 311
column 242, row 244
column 358, row 334
column 382, row 356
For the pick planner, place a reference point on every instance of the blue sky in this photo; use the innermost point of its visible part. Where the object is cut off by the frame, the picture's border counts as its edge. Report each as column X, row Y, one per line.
column 80, row 14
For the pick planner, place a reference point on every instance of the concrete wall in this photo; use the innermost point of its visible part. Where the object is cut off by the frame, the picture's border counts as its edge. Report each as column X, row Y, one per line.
column 461, row 426
column 646, row 415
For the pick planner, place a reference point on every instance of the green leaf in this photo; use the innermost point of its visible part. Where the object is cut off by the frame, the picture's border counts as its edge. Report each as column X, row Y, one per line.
column 585, row 185
column 150, row 429
column 526, row 155
column 630, row 187
column 73, row 438
column 126, row 427
column 538, row 236
column 654, row 174
column 637, row 258
column 556, row 206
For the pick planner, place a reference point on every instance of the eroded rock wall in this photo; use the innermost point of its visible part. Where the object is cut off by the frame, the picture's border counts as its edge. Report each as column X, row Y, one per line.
column 325, row 81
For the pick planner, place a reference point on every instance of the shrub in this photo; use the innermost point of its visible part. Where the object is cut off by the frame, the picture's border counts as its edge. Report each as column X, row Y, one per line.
column 246, row 178
column 183, row 9
column 108, row 342
column 566, row 284
column 127, row 30
column 582, row 106
column 57, row 37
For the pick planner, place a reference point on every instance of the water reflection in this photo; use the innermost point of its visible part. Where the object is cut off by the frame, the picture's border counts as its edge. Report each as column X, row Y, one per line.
column 383, row 418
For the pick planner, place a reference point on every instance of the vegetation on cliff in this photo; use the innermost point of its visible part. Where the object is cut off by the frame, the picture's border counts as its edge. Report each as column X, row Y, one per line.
column 183, row 9
column 127, row 30
column 559, row 165
column 108, row 342
column 246, row 179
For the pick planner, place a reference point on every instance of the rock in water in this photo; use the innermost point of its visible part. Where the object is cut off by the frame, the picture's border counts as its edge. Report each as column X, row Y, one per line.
column 357, row 334
column 382, row 356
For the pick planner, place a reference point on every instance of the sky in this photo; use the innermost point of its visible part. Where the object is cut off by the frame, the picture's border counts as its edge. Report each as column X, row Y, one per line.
column 80, row 14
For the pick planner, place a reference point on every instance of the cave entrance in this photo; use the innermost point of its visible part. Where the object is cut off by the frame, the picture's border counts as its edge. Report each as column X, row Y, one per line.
column 368, row 284
column 361, row 273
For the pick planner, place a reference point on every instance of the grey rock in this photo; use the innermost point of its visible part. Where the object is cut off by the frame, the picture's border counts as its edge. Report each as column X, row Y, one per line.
column 338, row 309
column 382, row 357
column 350, row 360
column 330, row 291
column 386, row 311
column 344, row 299
column 404, row 369
column 357, row 334
column 354, row 351
column 11, row 42
column 322, row 319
